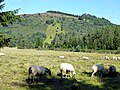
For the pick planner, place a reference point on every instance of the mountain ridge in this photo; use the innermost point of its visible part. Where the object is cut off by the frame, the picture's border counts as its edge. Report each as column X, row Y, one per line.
column 62, row 14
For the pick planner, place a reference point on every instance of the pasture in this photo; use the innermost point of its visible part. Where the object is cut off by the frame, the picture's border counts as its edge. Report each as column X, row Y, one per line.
column 14, row 70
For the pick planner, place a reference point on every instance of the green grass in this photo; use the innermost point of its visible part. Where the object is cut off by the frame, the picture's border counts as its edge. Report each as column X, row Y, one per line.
column 14, row 70
column 51, row 32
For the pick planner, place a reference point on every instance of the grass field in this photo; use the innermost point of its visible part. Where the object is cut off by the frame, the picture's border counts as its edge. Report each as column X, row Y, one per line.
column 14, row 70
column 51, row 32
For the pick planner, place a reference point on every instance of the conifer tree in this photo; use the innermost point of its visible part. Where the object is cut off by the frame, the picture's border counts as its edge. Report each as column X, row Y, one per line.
column 6, row 18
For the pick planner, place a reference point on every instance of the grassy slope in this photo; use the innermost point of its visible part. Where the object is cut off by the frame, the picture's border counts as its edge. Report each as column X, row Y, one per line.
column 51, row 32
column 15, row 63
column 27, row 26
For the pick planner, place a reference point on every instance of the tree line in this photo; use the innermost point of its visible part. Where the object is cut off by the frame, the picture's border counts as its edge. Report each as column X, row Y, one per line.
column 104, row 38
column 58, row 12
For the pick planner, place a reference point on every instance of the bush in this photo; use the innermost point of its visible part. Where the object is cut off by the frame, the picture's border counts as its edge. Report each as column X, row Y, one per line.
column 77, row 49
column 118, row 50
column 20, row 47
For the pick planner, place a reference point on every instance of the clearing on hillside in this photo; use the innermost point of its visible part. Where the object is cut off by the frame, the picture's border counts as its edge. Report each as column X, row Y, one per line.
column 52, row 31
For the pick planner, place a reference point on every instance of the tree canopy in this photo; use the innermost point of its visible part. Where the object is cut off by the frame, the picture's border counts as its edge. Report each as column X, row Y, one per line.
column 6, row 18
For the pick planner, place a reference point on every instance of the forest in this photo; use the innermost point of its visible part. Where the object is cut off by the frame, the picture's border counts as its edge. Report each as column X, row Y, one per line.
column 63, row 31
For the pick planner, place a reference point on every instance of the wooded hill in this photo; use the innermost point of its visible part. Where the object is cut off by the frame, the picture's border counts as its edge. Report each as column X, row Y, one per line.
column 55, row 29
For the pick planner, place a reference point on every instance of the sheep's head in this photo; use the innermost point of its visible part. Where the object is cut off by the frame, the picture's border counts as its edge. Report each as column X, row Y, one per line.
column 112, row 69
column 48, row 71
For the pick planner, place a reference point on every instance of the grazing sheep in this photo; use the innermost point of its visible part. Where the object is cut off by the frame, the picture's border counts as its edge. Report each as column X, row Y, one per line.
column 107, row 58
column 61, row 57
column 97, row 68
column 67, row 68
column 118, row 58
column 114, row 58
column 85, row 58
column 112, row 71
column 2, row 54
column 37, row 71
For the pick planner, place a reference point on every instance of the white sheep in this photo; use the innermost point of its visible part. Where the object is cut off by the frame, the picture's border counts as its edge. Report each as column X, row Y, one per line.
column 85, row 58
column 97, row 68
column 67, row 68
column 114, row 58
column 37, row 71
column 107, row 58
column 2, row 54
column 118, row 58
column 61, row 57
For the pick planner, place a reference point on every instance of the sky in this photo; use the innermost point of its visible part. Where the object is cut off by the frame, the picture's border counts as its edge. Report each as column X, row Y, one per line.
column 109, row 9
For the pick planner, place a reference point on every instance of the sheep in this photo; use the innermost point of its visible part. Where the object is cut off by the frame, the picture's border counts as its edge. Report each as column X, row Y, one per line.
column 61, row 57
column 118, row 58
column 97, row 68
column 85, row 58
column 107, row 58
column 37, row 71
column 2, row 54
column 114, row 58
column 112, row 71
column 67, row 68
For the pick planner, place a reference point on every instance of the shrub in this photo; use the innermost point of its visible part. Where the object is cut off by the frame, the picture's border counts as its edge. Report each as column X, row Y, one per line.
column 118, row 50
column 77, row 49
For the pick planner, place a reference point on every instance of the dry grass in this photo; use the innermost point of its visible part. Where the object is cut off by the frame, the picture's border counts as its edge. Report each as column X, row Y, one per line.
column 15, row 63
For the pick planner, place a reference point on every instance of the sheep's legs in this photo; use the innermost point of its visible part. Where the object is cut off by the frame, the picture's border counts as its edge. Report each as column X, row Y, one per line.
column 93, row 74
column 61, row 73
column 101, row 74
column 32, row 78
column 68, row 73
column 71, row 74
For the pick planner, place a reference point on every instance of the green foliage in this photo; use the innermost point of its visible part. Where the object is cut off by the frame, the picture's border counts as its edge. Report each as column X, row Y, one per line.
column 38, row 43
column 77, row 49
column 1, row 5
column 118, row 50
column 6, row 18
column 4, row 41
column 49, row 21
column 106, row 38
column 63, row 31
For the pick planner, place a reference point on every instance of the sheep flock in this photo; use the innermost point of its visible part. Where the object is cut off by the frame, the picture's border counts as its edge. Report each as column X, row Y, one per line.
column 68, row 70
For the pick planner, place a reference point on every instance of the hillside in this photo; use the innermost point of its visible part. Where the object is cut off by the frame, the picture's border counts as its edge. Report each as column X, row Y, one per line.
column 52, row 31
column 56, row 29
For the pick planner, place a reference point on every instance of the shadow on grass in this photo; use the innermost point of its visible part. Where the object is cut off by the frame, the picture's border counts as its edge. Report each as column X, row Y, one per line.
column 111, row 81
column 56, row 83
